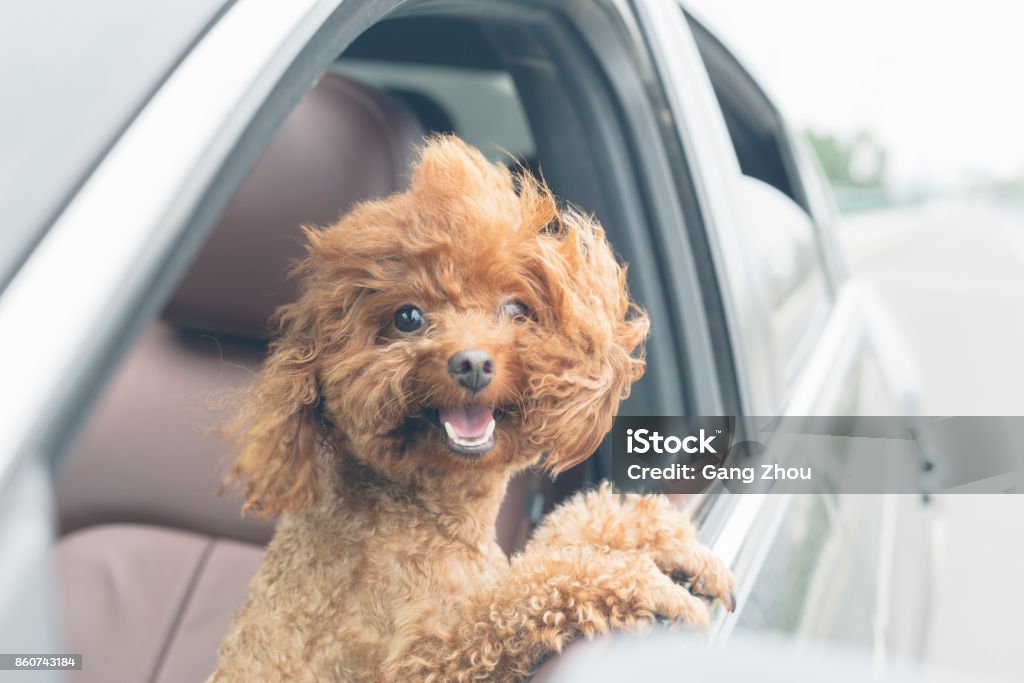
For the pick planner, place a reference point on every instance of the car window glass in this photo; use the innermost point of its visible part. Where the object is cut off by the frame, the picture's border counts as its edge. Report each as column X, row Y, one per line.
column 438, row 95
column 454, row 82
column 782, row 240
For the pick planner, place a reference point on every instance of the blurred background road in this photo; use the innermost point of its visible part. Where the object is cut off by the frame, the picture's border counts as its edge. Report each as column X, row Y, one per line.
column 951, row 272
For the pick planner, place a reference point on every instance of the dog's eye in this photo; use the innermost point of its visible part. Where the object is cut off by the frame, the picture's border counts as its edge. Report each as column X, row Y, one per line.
column 515, row 309
column 408, row 319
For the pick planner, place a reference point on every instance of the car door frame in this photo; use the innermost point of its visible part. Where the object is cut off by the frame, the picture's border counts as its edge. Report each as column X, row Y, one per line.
column 741, row 529
column 224, row 100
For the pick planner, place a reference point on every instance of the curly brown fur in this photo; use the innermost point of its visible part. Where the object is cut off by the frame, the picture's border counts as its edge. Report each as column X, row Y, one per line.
column 384, row 565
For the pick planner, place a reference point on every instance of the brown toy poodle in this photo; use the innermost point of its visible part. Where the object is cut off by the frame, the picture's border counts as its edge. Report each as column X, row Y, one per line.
column 446, row 338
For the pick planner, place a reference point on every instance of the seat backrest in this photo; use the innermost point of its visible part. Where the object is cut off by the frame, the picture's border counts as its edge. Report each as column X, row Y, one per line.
column 145, row 454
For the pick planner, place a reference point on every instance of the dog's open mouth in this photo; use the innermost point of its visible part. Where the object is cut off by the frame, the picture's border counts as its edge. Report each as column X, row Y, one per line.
column 467, row 430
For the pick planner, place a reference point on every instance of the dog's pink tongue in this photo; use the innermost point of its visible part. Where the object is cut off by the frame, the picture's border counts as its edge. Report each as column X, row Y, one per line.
column 468, row 422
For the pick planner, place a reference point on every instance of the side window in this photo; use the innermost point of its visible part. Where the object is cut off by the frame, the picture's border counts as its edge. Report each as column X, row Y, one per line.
column 776, row 211
column 756, row 129
column 438, row 82
column 495, row 124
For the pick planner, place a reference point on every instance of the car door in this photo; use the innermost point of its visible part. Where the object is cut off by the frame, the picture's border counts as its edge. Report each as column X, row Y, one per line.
column 806, row 339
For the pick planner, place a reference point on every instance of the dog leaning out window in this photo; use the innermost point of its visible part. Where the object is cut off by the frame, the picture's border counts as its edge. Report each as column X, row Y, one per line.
column 444, row 339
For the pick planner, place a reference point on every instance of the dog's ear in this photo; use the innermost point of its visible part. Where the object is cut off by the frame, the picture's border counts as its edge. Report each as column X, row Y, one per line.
column 598, row 387
column 279, row 429
column 601, row 348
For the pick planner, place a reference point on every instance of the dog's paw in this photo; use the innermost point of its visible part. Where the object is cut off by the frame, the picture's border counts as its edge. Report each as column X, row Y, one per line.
column 659, row 599
column 666, row 534
column 691, row 564
column 647, row 526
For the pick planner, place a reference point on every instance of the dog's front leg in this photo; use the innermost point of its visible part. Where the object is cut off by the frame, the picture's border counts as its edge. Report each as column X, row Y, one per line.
column 546, row 599
column 646, row 524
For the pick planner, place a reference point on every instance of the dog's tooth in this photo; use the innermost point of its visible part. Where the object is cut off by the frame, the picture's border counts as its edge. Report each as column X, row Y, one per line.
column 469, row 443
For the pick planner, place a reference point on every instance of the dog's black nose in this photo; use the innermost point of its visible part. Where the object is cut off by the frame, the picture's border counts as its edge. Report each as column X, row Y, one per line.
column 472, row 368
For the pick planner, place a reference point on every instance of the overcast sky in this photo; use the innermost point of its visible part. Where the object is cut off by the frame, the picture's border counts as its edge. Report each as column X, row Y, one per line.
column 941, row 83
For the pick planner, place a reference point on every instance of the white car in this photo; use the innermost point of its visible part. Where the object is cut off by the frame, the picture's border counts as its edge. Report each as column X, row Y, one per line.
column 156, row 160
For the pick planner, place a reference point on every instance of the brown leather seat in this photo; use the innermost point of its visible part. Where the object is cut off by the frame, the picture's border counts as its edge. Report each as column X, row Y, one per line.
column 152, row 563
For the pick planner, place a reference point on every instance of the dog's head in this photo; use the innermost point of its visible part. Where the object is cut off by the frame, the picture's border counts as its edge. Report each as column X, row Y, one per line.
column 465, row 323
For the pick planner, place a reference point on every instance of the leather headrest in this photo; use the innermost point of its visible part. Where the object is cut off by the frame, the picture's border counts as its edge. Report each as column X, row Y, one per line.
column 342, row 144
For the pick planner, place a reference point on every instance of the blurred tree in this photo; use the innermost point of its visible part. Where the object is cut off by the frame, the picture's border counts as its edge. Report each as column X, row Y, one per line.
column 1007, row 188
column 856, row 168
column 858, row 161
column 833, row 155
